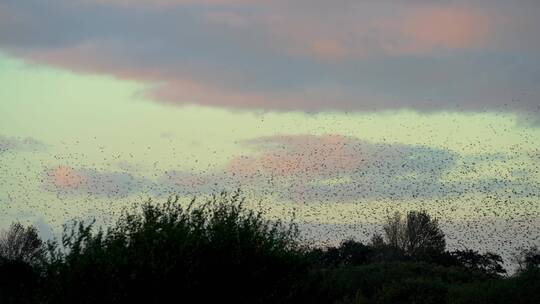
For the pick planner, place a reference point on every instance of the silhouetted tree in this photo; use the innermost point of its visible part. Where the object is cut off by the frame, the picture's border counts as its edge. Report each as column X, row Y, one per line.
column 22, row 244
column 349, row 252
column 528, row 258
column 423, row 235
column 488, row 263
column 418, row 235
column 21, row 253
column 394, row 231
column 355, row 253
column 19, row 282
column 377, row 240
column 206, row 252
column 218, row 251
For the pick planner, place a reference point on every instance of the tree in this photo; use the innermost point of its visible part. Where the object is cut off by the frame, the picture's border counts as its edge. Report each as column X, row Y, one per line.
column 488, row 263
column 19, row 282
column 528, row 258
column 213, row 251
column 423, row 235
column 349, row 252
column 418, row 235
column 19, row 243
column 394, row 231
column 377, row 240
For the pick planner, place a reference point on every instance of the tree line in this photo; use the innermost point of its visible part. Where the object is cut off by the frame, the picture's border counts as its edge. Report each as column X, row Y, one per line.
column 220, row 251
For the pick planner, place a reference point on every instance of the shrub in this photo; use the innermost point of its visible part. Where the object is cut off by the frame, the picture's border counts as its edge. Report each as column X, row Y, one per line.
column 216, row 250
column 418, row 235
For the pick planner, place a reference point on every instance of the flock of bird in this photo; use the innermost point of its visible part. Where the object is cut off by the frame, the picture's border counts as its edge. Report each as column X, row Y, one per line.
column 335, row 186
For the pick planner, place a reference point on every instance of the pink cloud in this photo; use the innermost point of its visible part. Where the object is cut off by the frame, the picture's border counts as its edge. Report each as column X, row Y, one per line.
column 432, row 29
column 301, row 155
column 336, row 167
column 81, row 181
column 65, row 178
column 404, row 30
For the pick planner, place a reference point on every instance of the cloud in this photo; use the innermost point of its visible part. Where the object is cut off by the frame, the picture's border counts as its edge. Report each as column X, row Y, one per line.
column 325, row 168
column 307, row 55
column 302, row 155
column 358, row 33
column 450, row 28
column 341, row 168
column 335, row 168
column 67, row 180
column 322, row 168
column 14, row 144
column 170, row 3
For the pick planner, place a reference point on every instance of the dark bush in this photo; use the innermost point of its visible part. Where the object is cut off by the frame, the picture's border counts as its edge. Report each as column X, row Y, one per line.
column 18, row 281
column 19, row 243
column 214, row 251
column 488, row 263
column 218, row 251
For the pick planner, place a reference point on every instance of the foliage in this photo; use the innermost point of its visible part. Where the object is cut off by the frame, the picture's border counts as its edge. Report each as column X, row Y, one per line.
column 22, row 253
column 489, row 263
column 528, row 258
column 417, row 235
column 19, row 243
column 18, row 281
column 219, row 251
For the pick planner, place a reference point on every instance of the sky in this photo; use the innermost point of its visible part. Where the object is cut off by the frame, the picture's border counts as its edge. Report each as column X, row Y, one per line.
column 335, row 112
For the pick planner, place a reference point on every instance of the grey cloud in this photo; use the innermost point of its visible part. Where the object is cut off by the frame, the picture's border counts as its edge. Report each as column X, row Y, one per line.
column 193, row 184
column 248, row 66
column 15, row 144
column 331, row 168
column 326, row 168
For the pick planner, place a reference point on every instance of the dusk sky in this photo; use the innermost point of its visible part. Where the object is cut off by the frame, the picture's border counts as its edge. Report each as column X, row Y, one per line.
column 340, row 112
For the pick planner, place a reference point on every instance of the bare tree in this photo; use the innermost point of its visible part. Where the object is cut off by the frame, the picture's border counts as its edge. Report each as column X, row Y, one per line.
column 423, row 235
column 416, row 234
column 527, row 258
column 21, row 243
column 377, row 240
column 394, row 231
